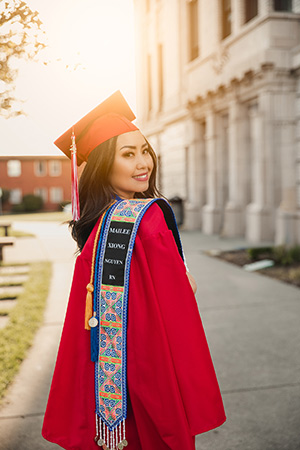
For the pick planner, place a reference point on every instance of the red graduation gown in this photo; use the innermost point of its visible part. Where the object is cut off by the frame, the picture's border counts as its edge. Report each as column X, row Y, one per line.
column 172, row 386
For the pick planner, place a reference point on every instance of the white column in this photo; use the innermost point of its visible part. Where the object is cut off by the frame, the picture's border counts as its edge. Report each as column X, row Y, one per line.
column 237, row 8
column 259, row 213
column 288, row 213
column 211, row 211
column 234, row 221
column 264, row 7
column 195, row 175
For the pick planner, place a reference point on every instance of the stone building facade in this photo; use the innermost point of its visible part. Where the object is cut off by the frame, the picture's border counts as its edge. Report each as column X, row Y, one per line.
column 218, row 96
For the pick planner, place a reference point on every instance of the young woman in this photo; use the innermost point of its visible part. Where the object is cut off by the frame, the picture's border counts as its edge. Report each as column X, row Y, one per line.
column 139, row 374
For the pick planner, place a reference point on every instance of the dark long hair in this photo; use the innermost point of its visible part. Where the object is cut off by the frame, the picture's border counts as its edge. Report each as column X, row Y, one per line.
column 95, row 191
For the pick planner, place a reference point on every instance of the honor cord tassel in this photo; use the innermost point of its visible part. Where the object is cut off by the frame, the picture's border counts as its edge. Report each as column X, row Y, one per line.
column 89, row 314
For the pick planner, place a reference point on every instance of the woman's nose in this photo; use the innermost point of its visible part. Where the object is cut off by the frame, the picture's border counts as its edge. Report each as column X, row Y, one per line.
column 141, row 161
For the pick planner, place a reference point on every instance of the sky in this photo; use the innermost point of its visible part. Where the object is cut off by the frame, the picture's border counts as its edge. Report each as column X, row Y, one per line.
column 89, row 55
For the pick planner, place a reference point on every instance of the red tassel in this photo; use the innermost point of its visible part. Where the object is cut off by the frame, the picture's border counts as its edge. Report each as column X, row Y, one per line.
column 75, row 195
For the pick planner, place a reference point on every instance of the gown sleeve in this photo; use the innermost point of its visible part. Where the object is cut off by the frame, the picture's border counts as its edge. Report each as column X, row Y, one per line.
column 170, row 370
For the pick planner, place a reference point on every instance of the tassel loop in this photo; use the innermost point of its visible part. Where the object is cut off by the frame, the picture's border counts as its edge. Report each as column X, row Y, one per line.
column 90, row 287
column 88, row 305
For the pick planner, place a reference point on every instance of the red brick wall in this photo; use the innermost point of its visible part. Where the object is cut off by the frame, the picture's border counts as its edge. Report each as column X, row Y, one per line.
column 28, row 181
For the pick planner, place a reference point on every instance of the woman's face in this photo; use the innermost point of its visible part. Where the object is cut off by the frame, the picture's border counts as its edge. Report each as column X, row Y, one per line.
column 132, row 166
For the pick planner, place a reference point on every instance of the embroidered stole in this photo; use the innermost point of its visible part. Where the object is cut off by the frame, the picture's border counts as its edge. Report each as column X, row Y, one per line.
column 116, row 234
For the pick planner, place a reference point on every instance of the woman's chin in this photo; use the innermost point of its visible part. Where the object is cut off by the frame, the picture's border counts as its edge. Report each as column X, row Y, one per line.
column 142, row 184
column 138, row 188
column 142, row 188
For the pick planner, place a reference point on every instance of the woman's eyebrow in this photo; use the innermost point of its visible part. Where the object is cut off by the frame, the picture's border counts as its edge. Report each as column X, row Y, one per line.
column 133, row 146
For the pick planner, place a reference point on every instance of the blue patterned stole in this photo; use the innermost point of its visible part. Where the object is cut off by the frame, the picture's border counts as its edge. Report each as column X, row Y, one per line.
column 109, row 322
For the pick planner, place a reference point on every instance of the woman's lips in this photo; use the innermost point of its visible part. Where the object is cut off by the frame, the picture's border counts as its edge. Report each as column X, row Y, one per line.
column 142, row 177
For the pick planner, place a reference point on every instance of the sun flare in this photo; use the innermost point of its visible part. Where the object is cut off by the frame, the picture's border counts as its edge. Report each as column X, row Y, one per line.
column 89, row 55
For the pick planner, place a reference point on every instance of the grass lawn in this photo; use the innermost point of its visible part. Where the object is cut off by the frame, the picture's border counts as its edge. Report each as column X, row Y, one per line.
column 24, row 320
column 57, row 216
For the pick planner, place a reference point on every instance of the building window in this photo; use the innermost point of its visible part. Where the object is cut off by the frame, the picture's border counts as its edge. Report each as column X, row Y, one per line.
column 160, row 76
column 13, row 168
column 41, row 192
column 15, row 196
column 283, row 5
column 56, row 195
column 55, row 168
column 251, row 10
column 149, row 83
column 40, row 169
column 193, row 29
column 226, row 18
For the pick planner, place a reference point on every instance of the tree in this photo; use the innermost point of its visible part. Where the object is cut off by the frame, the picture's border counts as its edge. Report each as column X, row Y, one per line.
column 5, row 195
column 20, row 37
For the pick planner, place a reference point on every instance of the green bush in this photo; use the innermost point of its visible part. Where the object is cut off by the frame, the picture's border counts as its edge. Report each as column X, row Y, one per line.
column 281, row 254
column 19, row 208
column 32, row 202
column 295, row 253
column 256, row 253
column 286, row 255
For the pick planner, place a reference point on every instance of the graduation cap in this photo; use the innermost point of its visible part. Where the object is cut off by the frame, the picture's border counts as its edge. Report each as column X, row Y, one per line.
column 109, row 119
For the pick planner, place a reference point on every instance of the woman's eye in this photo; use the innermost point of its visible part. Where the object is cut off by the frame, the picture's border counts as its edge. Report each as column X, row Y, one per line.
column 128, row 154
column 146, row 150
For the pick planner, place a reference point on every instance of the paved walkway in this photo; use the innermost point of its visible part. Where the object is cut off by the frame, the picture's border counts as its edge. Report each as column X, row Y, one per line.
column 252, row 328
column 252, row 325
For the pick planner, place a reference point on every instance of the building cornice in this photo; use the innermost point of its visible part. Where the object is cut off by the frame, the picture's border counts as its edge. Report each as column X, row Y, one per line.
column 245, row 87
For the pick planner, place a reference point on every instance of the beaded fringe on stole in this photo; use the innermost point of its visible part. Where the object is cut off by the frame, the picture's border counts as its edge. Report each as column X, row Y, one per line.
column 110, row 439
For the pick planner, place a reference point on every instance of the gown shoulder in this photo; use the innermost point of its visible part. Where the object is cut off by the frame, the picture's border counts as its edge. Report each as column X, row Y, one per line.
column 153, row 222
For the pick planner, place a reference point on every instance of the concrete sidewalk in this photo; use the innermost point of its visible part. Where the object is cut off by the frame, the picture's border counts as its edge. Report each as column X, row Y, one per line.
column 252, row 326
column 253, row 332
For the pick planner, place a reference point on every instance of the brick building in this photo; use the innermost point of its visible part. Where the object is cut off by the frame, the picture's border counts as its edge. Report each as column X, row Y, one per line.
column 218, row 86
column 46, row 176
